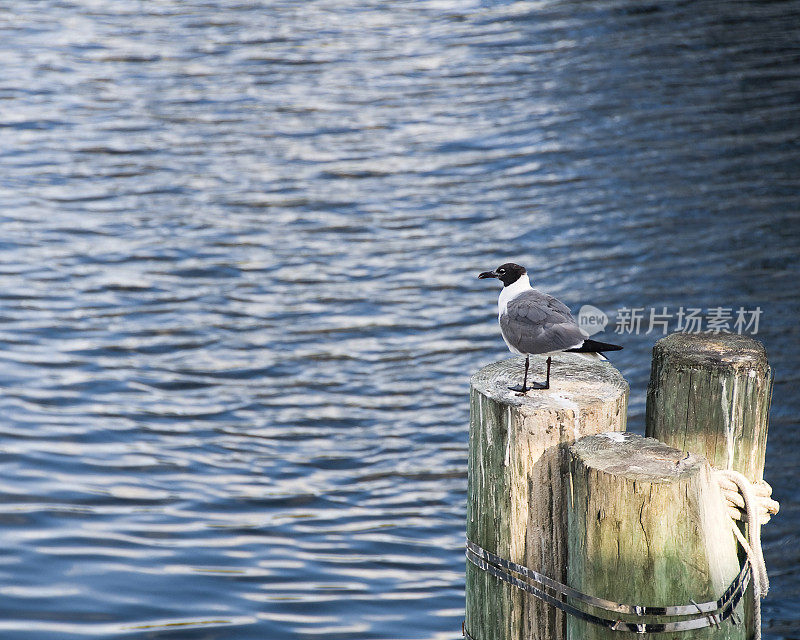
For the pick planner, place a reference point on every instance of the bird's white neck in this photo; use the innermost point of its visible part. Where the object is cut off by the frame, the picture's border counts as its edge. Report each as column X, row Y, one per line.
column 511, row 291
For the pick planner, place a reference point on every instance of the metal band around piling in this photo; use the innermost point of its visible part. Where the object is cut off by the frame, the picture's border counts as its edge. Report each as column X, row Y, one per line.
column 703, row 614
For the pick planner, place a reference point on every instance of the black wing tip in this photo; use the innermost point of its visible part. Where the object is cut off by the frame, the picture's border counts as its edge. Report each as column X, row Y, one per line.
column 595, row 346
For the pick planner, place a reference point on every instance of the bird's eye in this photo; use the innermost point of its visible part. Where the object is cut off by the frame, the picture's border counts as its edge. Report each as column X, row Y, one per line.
column 501, row 271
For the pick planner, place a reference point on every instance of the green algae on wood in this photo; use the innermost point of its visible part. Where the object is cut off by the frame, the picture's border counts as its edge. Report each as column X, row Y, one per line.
column 710, row 394
column 647, row 526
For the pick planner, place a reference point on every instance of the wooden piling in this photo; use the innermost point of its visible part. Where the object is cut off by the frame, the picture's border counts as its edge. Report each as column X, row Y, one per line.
column 647, row 526
column 517, row 498
column 710, row 394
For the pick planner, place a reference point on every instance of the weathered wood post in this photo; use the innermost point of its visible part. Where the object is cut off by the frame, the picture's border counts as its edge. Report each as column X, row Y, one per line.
column 710, row 394
column 516, row 504
column 647, row 527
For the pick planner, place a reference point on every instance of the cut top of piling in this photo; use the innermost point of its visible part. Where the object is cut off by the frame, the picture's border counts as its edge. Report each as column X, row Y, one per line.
column 575, row 382
column 636, row 458
column 722, row 350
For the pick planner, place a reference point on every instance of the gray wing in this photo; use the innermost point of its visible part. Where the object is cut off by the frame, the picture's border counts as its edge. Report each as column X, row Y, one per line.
column 535, row 322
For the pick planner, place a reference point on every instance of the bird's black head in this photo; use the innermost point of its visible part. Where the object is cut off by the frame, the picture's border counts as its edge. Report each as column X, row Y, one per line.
column 507, row 273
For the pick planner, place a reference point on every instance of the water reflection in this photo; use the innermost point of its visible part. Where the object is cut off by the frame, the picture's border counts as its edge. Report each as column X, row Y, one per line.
column 239, row 309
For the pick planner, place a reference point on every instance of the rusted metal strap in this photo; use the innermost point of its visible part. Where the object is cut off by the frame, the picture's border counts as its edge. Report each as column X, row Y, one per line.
column 703, row 614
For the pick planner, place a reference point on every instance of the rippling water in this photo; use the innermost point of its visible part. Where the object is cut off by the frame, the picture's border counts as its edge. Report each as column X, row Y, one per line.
column 239, row 308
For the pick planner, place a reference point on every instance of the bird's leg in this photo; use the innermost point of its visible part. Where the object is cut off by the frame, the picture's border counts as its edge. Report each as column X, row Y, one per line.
column 522, row 389
column 546, row 385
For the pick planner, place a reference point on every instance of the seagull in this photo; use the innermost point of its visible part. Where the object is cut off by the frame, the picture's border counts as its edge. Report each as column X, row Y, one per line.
column 536, row 322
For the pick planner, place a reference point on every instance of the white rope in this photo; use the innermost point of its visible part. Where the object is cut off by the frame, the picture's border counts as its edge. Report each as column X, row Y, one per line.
column 751, row 503
column 765, row 506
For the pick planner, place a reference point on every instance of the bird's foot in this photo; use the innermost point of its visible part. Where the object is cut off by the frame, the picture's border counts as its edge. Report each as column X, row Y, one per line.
column 521, row 391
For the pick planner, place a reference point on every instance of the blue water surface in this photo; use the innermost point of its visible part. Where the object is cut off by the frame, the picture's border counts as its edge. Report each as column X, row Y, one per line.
column 239, row 311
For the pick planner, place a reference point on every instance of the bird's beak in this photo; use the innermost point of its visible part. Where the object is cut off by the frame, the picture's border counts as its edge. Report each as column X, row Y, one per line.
column 487, row 274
